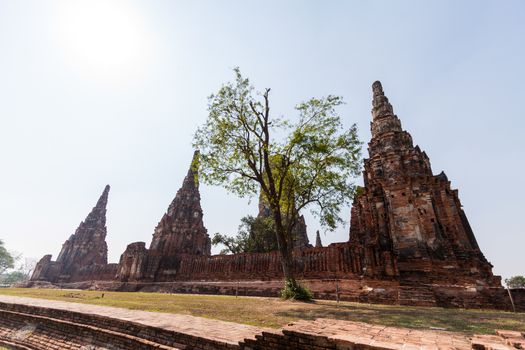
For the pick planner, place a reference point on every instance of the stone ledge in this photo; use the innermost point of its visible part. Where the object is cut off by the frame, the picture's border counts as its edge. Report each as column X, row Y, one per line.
column 28, row 323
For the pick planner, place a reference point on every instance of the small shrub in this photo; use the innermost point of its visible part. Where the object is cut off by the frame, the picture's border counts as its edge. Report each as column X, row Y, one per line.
column 295, row 291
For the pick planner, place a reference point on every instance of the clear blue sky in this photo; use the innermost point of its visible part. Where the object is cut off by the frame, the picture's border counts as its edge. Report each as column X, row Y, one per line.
column 110, row 92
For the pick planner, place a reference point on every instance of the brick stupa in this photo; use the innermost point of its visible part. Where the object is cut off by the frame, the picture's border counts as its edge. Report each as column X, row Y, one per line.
column 406, row 214
column 85, row 249
column 181, row 229
column 179, row 233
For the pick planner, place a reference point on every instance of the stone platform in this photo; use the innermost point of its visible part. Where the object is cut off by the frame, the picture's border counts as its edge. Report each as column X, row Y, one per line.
column 27, row 323
column 361, row 290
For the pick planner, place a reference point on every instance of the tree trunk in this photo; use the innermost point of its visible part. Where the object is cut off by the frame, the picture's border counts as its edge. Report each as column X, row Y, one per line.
column 285, row 248
column 288, row 266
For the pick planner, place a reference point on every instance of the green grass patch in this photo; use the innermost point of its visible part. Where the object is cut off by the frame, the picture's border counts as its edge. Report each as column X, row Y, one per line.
column 275, row 312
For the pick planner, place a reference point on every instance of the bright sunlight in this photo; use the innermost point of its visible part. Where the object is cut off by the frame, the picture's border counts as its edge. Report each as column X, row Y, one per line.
column 102, row 38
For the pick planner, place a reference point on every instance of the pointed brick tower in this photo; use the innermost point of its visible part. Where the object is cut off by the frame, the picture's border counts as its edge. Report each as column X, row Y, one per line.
column 411, row 221
column 181, row 230
column 85, row 250
column 299, row 232
column 87, row 246
column 318, row 243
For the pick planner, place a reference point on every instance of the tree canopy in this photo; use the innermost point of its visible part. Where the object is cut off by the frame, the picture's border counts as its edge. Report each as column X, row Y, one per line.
column 515, row 282
column 255, row 235
column 307, row 162
column 7, row 261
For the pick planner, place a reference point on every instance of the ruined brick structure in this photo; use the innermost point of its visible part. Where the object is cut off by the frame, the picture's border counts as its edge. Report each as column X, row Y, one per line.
column 84, row 254
column 410, row 242
column 181, row 230
column 299, row 232
column 318, row 243
column 180, row 233
column 411, row 219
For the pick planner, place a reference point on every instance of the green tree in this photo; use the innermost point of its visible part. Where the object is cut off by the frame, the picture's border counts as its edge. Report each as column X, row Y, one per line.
column 255, row 235
column 14, row 277
column 515, row 282
column 22, row 273
column 307, row 163
column 7, row 261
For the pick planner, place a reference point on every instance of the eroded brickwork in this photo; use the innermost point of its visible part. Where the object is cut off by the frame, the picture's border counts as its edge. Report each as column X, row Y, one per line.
column 39, row 324
column 84, row 254
column 406, row 213
column 410, row 241
column 299, row 232
column 180, row 233
column 181, row 229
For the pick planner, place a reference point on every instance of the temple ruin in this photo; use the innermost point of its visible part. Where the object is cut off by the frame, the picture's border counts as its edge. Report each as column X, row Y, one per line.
column 410, row 242
column 85, row 254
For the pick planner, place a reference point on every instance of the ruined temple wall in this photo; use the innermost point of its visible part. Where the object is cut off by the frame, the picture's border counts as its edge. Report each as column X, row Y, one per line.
column 518, row 296
column 46, row 270
column 342, row 260
column 106, row 272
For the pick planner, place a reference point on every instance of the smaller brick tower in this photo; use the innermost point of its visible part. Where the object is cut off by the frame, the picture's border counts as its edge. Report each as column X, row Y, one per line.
column 181, row 229
column 88, row 245
column 85, row 250
column 299, row 232
column 318, row 243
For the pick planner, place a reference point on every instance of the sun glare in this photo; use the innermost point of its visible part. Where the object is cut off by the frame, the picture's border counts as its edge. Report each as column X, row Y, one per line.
column 103, row 38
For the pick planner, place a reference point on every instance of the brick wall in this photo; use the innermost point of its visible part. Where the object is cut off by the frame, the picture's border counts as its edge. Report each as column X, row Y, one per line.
column 45, row 328
column 42, row 328
column 518, row 295
column 340, row 260
column 96, row 272
column 43, row 333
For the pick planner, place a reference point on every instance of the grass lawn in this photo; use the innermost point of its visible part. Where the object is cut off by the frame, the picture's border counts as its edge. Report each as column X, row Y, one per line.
column 273, row 312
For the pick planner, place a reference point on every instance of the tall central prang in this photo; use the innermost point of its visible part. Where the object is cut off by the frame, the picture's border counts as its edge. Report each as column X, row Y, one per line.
column 411, row 220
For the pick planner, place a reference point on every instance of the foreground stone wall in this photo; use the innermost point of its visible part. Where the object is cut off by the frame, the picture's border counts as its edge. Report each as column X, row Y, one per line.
column 45, row 328
column 45, row 333
column 344, row 335
column 26, row 326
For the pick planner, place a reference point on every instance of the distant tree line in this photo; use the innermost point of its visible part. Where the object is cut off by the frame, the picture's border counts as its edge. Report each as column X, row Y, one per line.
column 8, row 262
column 515, row 282
column 255, row 235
